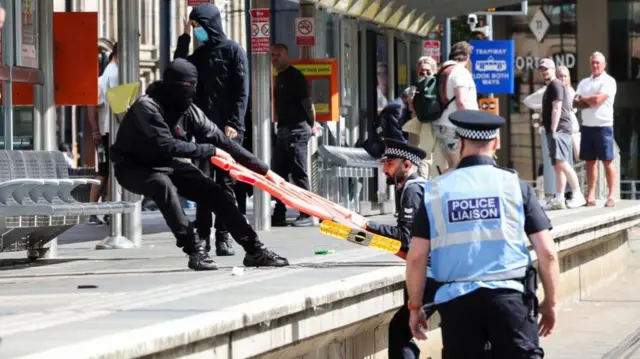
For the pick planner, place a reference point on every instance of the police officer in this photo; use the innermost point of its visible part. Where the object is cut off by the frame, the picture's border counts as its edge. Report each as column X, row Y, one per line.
column 473, row 225
column 401, row 163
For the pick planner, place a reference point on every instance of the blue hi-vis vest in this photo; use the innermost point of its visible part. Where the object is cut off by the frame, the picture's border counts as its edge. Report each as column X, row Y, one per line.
column 476, row 218
column 420, row 181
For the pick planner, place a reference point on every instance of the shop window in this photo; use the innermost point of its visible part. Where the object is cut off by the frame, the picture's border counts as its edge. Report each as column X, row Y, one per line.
column 624, row 56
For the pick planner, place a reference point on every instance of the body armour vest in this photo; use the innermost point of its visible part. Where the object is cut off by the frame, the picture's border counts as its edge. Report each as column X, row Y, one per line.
column 476, row 219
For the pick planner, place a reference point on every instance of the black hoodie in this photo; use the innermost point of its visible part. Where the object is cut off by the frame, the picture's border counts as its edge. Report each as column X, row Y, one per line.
column 223, row 84
column 151, row 135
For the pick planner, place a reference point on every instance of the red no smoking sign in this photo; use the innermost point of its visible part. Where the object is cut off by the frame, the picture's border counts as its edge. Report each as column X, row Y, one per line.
column 260, row 31
column 305, row 31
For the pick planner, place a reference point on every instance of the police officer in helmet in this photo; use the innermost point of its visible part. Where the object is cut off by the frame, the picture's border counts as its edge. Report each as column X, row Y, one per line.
column 473, row 226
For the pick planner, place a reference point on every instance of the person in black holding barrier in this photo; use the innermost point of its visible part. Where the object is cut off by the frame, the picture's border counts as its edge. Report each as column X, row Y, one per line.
column 296, row 125
column 152, row 154
column 222, row 94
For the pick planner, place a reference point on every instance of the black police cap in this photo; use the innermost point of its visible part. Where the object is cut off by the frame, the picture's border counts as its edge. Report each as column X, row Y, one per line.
column 399, row 149
column 476, row 125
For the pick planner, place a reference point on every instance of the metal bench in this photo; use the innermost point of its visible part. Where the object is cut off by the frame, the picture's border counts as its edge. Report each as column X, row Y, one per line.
column 345, row 168
column 36, row 204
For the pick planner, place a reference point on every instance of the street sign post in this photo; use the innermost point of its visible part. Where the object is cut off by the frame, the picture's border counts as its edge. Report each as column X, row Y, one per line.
column 493, row 66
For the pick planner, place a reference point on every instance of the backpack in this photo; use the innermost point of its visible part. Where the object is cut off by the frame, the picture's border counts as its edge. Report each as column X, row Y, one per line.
column 430, row 99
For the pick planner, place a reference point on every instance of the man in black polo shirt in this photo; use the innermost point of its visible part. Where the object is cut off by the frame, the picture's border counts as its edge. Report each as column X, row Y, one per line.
column 296, row 121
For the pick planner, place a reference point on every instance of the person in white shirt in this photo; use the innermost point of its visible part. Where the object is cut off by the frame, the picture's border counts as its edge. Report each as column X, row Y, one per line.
column 99, row 119
column 595, row 95
column 461, row 91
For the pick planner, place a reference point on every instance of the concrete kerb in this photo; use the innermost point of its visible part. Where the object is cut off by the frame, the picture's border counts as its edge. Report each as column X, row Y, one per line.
column 183, row 332
column 332, row 297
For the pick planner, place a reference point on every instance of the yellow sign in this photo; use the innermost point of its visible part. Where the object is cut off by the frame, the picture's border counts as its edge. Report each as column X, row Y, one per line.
column 314, row 69
column 121, row 97
column 403, row 74
column 321, row 108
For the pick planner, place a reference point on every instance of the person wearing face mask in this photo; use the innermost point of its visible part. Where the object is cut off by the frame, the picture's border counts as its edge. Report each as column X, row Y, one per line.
column 401, row 161
column 159, row 135
column 222, row 94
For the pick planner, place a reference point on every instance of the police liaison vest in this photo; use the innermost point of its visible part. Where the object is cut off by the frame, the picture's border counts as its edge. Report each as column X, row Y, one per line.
column 476, row 218
column 420, row 181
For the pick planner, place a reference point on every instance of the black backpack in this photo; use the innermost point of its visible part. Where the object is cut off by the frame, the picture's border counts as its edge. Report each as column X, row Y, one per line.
column 430, row 98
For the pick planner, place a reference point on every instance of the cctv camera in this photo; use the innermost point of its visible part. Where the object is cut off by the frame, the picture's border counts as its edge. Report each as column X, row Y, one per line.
column 472, row 19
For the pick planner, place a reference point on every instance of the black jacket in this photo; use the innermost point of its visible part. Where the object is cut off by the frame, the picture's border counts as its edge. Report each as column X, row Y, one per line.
column 223, row 83
column 151, row 137
column 409, row 199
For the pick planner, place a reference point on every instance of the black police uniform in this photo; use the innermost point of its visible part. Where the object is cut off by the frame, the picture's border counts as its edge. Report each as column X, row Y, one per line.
column 150, row 155
column 409, row 198
column 501, row 316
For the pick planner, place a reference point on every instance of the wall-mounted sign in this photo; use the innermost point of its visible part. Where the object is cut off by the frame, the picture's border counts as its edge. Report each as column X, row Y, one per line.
column 527, row 63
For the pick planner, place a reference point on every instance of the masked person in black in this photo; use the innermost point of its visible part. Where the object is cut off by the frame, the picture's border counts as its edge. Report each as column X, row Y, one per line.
column 152, row 154
column 223, row 91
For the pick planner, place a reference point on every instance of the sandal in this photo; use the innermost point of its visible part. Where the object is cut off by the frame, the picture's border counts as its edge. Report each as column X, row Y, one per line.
column 610, row 203
column 590, row 203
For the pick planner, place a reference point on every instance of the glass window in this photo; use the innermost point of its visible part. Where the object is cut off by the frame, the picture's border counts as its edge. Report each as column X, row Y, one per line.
column 624, row 56
column 382, row 72
column 559, row 44
column 402, row 67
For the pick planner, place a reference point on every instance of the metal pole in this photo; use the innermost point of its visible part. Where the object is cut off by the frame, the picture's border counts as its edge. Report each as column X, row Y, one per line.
column 45, row 108
column 447, row 39
column 261, row 108
column 391, row 94
column 165, row 34
column 490, row 35
column 8, row 51
column 129, row 71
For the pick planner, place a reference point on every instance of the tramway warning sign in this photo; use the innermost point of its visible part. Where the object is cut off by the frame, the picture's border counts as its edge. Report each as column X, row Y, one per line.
column 260, row 31
column 493, row 66
column 305, row 31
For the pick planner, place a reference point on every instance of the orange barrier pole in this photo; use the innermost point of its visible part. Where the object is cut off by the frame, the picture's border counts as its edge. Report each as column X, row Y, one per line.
column 304, row 195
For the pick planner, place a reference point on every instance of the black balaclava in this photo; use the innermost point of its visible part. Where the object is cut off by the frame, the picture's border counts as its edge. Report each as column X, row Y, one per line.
column 180, row 79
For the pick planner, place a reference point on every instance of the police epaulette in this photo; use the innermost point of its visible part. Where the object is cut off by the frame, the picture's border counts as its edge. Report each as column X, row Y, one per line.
column 506, row 169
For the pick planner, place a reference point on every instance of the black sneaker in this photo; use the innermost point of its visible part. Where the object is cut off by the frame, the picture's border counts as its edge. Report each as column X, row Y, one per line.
column 223, row 245
column 303, row 221
column 277, row 221
column 94, row 220
column 207, row 241
column 200, row 260
column 264, row 257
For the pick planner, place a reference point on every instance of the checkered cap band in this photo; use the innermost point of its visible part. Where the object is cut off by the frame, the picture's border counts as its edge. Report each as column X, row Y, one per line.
column 396, row 152
column 477, row 134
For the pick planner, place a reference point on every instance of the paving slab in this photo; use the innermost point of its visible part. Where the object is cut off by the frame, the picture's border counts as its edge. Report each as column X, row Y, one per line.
column 604, row 324
column 86, row 293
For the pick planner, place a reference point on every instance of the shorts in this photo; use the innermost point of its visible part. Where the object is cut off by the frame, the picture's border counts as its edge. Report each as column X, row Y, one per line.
column 560, row 146
column 103, row 168
column 447, row 138
column 596, row 143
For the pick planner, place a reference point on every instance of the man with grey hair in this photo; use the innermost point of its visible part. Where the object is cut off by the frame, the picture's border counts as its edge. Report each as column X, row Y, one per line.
column 595, row 96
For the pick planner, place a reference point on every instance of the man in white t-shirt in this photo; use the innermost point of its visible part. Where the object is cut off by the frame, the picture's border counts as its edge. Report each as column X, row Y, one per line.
column 595, row 95
column 99, row 119
column 461, row 94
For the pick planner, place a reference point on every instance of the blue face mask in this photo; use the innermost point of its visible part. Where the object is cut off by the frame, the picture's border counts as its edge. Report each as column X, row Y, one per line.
column 201, row 34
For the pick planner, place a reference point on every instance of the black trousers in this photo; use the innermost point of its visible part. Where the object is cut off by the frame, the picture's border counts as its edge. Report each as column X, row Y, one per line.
column 165, row 187
column 204, row 221
column 497, row 315
column 290, row 158
column 401, row 344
